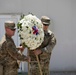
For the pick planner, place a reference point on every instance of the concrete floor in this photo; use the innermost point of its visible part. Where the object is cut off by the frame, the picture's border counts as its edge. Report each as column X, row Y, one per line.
column 56, row 73
column 63, row 73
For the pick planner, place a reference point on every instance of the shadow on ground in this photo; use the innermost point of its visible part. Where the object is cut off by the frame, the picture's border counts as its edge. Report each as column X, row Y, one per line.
column 55, row 73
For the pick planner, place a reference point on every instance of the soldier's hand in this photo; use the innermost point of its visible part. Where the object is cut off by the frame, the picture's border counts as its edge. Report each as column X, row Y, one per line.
column 21, row 48
column 37, row 52
column 28, row 59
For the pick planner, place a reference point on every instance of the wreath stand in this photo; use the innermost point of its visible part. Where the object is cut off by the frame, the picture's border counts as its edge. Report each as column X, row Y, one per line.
column 38, row 65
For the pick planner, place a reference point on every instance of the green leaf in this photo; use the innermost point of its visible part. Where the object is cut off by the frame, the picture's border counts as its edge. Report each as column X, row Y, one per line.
column 22, row 16
column 19, row 25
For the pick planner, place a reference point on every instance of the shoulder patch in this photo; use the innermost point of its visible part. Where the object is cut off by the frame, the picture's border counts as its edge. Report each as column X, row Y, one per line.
column 2, row 40
column 50, row 32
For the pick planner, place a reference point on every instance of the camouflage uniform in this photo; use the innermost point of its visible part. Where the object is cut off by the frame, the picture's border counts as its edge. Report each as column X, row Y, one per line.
column 46, row 48
column 44, row 57
column 9, row 56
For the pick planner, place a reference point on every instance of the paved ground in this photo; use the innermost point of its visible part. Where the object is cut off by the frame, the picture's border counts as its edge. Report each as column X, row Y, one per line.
column 63, row 73
column 56, row 73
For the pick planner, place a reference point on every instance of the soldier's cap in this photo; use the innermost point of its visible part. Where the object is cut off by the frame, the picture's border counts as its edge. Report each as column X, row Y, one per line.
column 45, row 20
column 10, row 24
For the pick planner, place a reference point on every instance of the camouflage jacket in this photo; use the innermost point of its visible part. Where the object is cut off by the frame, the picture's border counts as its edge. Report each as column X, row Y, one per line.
column 8, row 51
column 49, row 42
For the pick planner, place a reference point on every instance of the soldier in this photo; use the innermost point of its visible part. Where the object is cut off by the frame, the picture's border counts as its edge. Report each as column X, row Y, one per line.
column 44, row 51
column 9, row 53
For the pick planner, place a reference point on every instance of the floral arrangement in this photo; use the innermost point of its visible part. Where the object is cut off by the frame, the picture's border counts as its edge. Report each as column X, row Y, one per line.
column 30, row 31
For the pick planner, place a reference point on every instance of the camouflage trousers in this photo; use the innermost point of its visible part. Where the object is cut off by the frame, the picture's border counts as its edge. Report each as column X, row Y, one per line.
column 44, row 59
column 1, row 69
column 8, row 70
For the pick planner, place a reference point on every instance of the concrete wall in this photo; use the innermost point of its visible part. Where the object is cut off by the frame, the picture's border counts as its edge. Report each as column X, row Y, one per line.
column 63, row 16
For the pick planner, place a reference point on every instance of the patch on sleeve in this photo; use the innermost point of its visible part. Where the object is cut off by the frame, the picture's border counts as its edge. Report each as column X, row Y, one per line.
column 50, row 32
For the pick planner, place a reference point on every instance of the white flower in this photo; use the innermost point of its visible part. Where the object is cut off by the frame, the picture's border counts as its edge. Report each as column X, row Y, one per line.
column 31, row 31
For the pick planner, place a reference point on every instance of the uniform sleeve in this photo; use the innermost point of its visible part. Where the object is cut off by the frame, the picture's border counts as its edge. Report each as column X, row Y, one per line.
column 50, row 46
column 13, row 52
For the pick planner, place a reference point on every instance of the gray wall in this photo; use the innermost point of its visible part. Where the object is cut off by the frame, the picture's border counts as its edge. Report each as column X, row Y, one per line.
column 63, row 18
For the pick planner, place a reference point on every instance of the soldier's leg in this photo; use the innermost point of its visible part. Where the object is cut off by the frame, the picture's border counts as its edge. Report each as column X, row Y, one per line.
column 1, row 69
column 46, row 71
column 44, row 61
column 10, row 70
column 34, row 69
